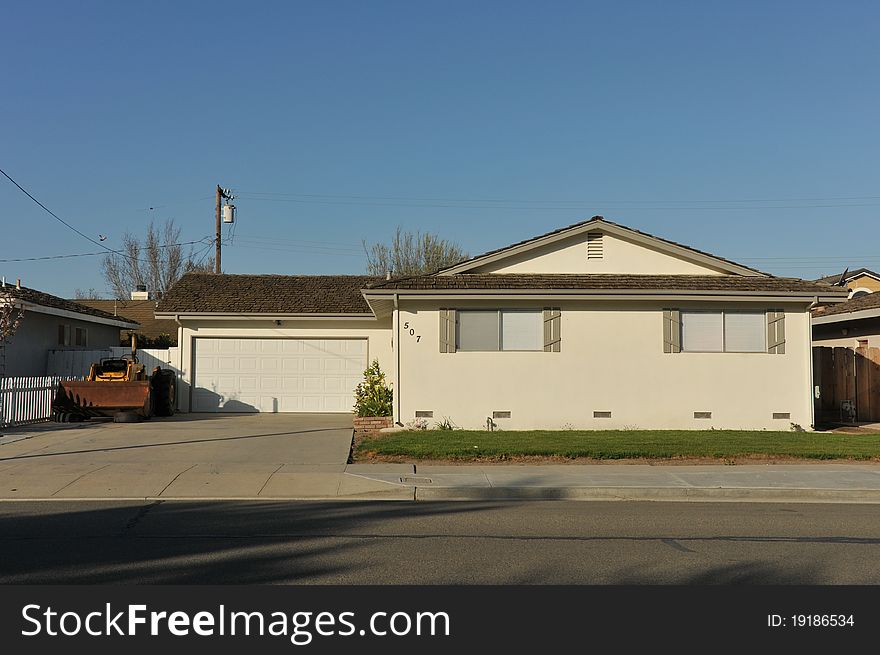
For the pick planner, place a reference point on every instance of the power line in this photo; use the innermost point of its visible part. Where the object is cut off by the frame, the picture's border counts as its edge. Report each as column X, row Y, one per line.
column 92, row 254
column 300, row 251
column 592, row 206
column 55, row 216
column 547, row 201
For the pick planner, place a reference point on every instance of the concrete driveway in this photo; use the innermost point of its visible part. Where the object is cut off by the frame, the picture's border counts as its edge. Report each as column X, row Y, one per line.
column 190, row 456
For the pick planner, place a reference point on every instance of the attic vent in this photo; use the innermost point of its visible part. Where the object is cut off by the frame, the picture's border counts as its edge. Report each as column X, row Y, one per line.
column 594, row 245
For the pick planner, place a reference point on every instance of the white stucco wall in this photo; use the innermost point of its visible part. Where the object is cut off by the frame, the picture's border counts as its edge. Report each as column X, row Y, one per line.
column 611, row 359
column 377, row 333
column 619, row 256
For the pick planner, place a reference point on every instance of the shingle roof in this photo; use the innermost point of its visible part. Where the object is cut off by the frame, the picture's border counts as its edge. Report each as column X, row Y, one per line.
column 467, row 281
column 48, row 300
column 596, row 219
column 142, row 311
column 833, row 279
column 267, row 294
column 870, row 301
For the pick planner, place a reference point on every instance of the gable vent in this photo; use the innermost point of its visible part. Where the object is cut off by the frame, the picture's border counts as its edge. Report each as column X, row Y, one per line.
column 594, row 245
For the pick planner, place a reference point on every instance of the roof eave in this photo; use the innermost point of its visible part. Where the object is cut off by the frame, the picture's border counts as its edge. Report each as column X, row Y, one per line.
column 634, row 294
column 184, row 315
column 819, row 319
column 115, row 321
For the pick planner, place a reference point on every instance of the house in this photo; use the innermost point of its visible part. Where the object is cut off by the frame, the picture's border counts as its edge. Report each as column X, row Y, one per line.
column 152, row 331
column 860, row 282
column 50, row 322
column 595, row 325
column 854, row 323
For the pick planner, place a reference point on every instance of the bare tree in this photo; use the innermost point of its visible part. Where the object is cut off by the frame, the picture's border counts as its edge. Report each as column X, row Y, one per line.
column 157, row 262
column 10, row 319
column 412, row 254
column 86, row 294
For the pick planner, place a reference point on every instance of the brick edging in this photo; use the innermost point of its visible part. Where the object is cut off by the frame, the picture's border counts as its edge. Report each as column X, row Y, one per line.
column 368, row 424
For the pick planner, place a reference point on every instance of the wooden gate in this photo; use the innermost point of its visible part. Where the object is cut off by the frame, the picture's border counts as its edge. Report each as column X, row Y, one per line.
column 847, row 377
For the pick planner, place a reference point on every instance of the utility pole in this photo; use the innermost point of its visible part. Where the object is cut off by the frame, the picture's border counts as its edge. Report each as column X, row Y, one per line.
column 221, row 195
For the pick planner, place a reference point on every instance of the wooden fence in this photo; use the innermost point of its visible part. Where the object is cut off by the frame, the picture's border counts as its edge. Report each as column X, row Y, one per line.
column 847, row 378
column 27, row 399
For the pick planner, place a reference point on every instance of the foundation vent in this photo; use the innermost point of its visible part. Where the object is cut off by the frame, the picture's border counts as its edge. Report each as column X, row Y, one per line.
column 601, row 414
column 702, row 414
column 424, row 413
column 595, row 243
column 785, row 415
column 500, row 414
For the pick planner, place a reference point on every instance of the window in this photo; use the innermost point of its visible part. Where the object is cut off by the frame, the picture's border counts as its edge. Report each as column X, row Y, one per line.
column 739, row 332
column 81, row 337
column 63, row 335
column 500, row 330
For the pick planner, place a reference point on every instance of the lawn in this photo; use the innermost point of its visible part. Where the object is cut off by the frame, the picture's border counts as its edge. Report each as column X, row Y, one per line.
column 475, row 445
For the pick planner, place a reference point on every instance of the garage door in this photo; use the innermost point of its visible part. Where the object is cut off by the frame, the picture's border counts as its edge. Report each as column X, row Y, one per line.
column 277, row 375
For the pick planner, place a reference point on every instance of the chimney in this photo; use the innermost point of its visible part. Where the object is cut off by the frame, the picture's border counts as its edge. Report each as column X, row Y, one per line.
column 388, row 274
column 140, row 293
column 18, row 283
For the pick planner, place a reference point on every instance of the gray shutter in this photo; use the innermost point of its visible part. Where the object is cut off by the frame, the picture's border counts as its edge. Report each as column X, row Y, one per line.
column 671, row 331
column 776, row 332
column 447, row 330
column 552, row 329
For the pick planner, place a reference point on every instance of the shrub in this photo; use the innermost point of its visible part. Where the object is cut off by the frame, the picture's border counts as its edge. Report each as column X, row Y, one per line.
column 372, row 396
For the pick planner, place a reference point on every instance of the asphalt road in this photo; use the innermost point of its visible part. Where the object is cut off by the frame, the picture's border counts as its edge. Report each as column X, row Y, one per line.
column 439, row 543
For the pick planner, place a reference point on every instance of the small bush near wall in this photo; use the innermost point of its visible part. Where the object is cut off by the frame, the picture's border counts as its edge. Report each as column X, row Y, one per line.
column 373, row 397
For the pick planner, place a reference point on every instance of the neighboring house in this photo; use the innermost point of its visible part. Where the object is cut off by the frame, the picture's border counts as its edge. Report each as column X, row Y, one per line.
column 51, row 322
column 142, row 311
column 595, row 325
column 860, row 282
column 854, row 324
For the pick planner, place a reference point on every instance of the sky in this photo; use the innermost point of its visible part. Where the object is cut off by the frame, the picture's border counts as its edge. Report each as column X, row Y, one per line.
column 746, row 129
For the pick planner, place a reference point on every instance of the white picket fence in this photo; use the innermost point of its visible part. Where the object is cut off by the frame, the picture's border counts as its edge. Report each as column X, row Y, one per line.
column 66, row 361
column 27, row 399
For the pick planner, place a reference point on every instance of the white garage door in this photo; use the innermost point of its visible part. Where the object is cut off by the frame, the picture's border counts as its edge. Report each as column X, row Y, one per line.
column 277, row 375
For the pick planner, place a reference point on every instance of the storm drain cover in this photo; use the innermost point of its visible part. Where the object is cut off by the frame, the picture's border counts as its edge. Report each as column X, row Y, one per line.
column 414, row 480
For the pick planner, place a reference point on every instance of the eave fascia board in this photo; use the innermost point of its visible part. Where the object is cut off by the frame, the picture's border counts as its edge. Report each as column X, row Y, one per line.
column 66, row 313
column 616, row 230
column 256, row 316
column 848, row 316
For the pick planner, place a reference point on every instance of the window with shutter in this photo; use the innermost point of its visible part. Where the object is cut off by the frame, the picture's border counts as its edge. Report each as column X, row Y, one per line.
column 715, row 332
column 500, row 329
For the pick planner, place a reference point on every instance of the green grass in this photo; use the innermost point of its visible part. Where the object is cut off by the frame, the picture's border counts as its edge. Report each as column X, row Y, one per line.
column 474, row 445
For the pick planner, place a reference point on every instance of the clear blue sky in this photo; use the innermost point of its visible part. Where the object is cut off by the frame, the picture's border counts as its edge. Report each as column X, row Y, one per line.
column 649, row 113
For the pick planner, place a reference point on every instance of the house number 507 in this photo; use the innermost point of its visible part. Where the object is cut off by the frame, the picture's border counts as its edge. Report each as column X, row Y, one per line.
column 411, row 331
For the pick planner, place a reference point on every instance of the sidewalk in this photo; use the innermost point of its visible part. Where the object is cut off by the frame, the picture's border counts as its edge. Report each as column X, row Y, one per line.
column 163, row 480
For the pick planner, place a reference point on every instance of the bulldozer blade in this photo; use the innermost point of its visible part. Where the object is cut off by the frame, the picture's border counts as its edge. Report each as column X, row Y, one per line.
column 103, row 398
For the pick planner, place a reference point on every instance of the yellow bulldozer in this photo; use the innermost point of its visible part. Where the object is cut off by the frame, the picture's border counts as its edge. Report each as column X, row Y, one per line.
column 117, row 387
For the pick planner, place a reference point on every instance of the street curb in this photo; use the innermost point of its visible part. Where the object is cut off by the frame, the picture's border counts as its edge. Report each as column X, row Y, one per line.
column 427, row 494
column 660, row 494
